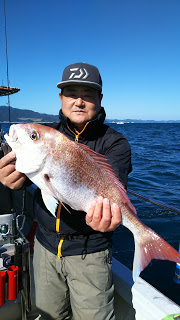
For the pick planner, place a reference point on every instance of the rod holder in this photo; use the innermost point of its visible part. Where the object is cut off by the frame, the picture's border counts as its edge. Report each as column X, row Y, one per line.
column 2, row 287
column 12, row 282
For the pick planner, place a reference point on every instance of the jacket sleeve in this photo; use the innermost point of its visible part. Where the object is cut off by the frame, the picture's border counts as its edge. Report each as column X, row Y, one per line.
column 118, row 154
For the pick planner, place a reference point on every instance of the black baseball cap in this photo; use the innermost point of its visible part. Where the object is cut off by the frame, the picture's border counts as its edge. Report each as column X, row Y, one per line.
column 81, row 74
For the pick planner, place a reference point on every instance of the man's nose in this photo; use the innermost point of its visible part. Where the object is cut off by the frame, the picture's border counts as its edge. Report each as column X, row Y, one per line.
column 79, row 102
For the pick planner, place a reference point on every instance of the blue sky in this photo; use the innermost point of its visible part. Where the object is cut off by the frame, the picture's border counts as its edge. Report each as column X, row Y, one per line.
column 134, row 43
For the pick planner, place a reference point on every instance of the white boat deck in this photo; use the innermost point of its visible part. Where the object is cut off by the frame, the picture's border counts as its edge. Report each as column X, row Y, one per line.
column 139, row 300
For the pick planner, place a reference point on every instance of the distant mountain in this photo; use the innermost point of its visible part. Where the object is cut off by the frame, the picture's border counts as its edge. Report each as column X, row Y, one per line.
column 141, row 121
column 20, row 115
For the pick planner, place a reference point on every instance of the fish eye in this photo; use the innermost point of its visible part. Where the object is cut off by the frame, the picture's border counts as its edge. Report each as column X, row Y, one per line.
column 34, row 136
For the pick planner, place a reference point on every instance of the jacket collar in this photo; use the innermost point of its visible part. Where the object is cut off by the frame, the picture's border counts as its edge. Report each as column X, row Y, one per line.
column 91, row 129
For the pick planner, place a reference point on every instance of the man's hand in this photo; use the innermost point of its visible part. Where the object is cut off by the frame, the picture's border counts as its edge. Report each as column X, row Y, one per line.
column 102, row 216
column 8, row 175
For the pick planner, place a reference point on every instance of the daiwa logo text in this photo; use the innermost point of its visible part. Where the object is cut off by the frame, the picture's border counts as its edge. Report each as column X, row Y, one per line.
column 79, row 73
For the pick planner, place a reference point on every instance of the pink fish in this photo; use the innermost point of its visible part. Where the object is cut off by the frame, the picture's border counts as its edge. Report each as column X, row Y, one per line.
column 72, row 173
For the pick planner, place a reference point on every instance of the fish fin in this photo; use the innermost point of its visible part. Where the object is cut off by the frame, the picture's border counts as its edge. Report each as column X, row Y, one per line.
column 154, row 247
column 100, row 158
column 50, row 202
column 47, row 180
column 102, row 161
column 65, row 207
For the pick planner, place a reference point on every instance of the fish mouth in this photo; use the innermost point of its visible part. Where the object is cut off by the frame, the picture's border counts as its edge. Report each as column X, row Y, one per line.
column 13, row 133
column 12, row 136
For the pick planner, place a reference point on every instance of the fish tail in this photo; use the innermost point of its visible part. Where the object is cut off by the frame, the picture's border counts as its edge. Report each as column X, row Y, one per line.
column 151, row 246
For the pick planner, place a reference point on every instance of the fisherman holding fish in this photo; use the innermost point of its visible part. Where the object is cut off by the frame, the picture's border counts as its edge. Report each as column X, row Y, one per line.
column 72, row 252
column 80, row 166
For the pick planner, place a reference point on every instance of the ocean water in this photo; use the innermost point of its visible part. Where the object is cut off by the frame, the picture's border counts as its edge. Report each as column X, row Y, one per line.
column 156, row 174
column 156, row 162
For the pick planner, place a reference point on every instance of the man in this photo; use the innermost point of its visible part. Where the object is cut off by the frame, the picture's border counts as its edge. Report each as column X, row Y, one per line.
column 72, row 254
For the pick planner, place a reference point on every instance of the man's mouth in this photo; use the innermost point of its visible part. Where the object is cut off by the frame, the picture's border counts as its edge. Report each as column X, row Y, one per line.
column 79, row 111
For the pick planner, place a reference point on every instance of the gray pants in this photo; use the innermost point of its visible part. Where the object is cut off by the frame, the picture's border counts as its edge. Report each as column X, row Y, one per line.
column 73, row 286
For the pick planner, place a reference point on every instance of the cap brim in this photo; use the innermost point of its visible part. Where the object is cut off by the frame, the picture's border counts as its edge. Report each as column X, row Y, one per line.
column 93, row 85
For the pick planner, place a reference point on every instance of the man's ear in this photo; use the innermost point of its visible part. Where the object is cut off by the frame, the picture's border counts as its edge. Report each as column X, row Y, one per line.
column 60, row 95
column 100, row 97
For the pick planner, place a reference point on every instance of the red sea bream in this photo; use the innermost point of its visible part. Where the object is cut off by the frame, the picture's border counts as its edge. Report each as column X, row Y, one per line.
column 72, row 173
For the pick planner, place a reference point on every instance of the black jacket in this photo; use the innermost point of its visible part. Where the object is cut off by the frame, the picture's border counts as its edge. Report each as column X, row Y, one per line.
column 79, row 237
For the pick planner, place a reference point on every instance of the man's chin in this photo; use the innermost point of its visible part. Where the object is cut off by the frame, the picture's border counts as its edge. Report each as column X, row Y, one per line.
column 79, row 118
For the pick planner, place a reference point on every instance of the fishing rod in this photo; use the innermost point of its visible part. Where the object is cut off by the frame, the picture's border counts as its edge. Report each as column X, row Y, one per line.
column 158, row 203
column 7, row 64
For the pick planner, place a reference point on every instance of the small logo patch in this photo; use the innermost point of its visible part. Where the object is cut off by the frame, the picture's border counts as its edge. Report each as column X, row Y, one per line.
column 79, row 73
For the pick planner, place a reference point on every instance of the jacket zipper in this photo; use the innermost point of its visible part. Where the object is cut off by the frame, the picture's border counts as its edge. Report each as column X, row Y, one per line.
column 76, row 138
column 79, row 133
column 59, row 254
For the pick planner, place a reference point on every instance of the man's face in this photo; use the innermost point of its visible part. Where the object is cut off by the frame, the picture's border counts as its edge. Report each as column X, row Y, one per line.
column 80, row 104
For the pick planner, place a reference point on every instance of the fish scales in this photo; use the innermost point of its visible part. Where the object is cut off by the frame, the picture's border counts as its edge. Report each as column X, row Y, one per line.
column 83, row 171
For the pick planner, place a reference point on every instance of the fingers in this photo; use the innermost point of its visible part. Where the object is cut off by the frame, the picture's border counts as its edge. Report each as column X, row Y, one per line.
column 8, row 174
column 7, row 159
column 89, row 215
column 106, row 215
column 14, row 180
column 98, row 210
column 116, row 216
column 102, row 216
